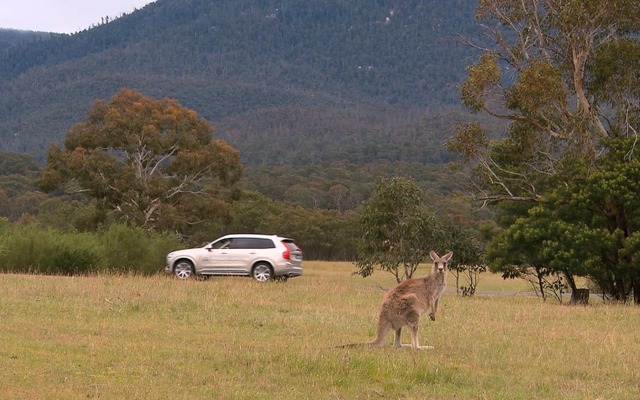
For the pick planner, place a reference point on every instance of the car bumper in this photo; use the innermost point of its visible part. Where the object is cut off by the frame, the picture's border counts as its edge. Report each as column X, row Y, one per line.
column 289, row 271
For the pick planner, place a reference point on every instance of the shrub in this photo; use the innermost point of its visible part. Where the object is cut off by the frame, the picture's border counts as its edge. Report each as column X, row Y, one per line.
column 32, row 248
column 72, row 259
column 133, row 250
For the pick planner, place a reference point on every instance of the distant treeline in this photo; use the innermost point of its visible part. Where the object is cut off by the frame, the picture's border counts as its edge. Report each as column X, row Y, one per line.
column 318, row 205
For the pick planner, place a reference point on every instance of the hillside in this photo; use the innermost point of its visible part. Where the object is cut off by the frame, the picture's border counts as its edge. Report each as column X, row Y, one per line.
column 11, row 37
column 285, row 81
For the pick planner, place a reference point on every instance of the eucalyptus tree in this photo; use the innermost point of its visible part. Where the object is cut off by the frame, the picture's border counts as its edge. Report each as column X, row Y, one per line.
column 152, row 163
column 564, row 76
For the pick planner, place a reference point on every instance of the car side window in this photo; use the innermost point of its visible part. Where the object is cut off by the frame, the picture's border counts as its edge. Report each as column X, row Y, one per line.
column 223, row 244
column 263, row 244
column 252, row 243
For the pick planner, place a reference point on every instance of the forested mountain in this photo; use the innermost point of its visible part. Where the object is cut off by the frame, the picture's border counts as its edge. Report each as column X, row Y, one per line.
column 283, row 81
column 11, row 37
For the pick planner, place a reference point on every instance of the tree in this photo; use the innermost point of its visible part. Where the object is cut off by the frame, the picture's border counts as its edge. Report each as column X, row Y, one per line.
column 550, row 75
column 152, row 163
column 468, row 253
column 17, row 164
column 528, row 249
column 588, row 229
column 397, row 230
column 563, row 75
column 5, row 202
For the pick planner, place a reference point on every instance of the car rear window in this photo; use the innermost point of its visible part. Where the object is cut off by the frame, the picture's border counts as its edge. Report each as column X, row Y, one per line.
column 252, row 243
column 291, row 245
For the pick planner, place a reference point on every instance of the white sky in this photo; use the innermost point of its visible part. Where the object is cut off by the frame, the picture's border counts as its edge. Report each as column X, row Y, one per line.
column 62, row 16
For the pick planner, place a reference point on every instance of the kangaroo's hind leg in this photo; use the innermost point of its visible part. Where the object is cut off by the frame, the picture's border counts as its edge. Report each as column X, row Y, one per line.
column 413, row 328
column 398, row 338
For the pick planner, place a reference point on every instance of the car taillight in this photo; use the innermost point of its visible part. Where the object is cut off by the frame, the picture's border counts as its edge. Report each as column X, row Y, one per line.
column 286, row 254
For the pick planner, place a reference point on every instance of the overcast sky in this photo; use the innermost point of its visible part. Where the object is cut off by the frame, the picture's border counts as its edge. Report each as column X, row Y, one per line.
column 62, row 16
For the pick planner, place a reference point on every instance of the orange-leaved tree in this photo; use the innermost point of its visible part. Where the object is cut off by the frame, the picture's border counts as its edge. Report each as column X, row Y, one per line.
column 152, row 163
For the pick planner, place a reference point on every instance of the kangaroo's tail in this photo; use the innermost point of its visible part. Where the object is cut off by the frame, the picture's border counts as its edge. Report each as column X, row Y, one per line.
column 381, row 335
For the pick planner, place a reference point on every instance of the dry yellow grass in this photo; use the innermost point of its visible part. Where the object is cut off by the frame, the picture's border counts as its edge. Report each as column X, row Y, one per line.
column 117, row 337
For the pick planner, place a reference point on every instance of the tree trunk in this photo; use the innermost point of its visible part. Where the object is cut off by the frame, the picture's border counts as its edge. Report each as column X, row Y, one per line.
column 580, row 297
column 620, row 294
column 576, row 294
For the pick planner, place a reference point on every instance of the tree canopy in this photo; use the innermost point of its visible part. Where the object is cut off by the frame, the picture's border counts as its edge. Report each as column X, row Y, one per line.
column 397, row 229
column 564, row 75
column 152, row 163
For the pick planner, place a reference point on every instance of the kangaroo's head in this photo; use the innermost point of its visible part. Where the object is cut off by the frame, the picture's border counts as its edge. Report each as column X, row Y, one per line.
column 440, row 263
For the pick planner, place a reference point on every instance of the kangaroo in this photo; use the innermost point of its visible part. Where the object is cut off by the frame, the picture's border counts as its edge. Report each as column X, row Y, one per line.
column 407, row 302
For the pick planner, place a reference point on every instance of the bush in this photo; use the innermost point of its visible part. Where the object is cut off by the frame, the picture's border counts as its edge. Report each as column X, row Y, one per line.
column 32, row 248
column 71, row 259
column 133, row 250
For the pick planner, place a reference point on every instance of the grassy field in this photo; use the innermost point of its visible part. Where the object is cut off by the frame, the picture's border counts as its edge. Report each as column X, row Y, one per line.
column 119, row 337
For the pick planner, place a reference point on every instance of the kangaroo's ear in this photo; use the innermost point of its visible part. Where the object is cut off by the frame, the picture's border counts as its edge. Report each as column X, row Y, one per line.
column 434, row 255
column 448, row 256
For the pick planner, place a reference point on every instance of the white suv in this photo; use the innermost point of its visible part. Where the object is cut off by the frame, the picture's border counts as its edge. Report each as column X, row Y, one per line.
column 262, row 257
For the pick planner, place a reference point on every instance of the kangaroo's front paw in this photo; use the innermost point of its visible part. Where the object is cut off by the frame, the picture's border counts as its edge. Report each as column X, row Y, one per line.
column 432, row 316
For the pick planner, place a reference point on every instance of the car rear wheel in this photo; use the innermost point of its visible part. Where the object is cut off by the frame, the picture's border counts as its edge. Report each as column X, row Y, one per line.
column 262, row 272
column 183, row 269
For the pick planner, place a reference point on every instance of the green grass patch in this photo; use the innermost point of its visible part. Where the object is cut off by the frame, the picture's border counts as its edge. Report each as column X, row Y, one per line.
column 154, row 337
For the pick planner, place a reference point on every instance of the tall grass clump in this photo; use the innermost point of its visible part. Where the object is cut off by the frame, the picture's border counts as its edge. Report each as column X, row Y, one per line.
column 32, row 248
column 133, row 250
column 38, row 249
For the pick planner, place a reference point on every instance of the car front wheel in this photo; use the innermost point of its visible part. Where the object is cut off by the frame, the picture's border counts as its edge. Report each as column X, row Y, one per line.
column 262, row 272
column 183, row 269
